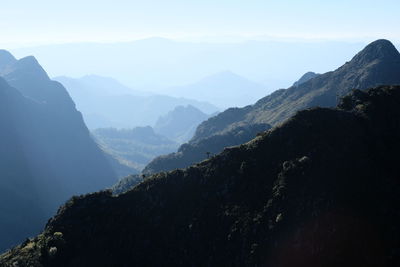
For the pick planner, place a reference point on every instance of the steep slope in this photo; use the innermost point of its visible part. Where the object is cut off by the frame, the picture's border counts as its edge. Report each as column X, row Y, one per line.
column 20, row 203
column 107, row 103
column 319, row 190
column 180, row 123
column 48, row 156
column 377, row 64
column 223, row 89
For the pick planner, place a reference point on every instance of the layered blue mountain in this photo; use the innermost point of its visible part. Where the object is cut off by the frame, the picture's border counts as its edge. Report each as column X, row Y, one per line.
column 47, row 154
column 104, row 102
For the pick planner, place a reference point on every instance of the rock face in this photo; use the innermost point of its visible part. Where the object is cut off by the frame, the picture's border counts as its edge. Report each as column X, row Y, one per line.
column 319, row 190
column 377, row 64
column 47, row 154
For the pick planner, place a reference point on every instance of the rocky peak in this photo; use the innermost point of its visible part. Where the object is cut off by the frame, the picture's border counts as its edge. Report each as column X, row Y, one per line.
column 382, row 50
column 6, row 58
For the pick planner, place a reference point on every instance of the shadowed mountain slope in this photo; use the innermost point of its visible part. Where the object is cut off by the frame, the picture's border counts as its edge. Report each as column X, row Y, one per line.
column 319, row 190
column 47, row 153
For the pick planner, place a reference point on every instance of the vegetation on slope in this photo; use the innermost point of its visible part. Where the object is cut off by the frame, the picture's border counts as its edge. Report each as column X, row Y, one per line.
column 319, row 190
column 191, row 153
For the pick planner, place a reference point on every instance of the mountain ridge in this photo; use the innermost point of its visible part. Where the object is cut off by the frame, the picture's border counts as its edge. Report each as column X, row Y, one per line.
column 323, row 90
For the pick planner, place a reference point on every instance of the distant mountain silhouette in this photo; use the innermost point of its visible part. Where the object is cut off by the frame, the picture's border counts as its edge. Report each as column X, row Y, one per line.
column 47, row 153
column 223, row 89
column 104, row 103
column 321, row 189
column 95, row 84
column 180, row 123
column 156, row 63
column 377, row 64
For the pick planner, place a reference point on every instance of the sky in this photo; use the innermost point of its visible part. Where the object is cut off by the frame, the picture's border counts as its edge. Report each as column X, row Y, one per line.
column 27, row 22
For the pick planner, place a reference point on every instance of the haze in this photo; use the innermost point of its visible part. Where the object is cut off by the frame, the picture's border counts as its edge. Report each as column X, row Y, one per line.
column 162, row 44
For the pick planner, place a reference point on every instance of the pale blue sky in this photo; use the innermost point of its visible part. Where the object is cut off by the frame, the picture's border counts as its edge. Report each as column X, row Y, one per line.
column 27, row 22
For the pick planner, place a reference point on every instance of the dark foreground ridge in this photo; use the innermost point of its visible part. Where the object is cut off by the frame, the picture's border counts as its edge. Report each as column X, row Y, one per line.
column 322, row 189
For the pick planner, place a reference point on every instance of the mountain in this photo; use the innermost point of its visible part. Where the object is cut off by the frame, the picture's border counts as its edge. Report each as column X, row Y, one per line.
column 134, row 148
column 223, row 89
column 105, row 103
column 307, row 76
column 320, row 189
column 376, row 64
column 47, row 153
column 180, row 123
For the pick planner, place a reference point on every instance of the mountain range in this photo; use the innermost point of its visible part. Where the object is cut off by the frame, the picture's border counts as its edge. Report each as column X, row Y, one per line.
column 47, row 154
column 320, row 189
column 305, row 184
column 104, row 102
column 377, row 64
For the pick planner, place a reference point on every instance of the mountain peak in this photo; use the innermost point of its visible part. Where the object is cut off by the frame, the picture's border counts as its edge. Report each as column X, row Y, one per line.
column 30, row 65
column 378, row 50
column 6, row 58
column 306, row 77
column 28, row 61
